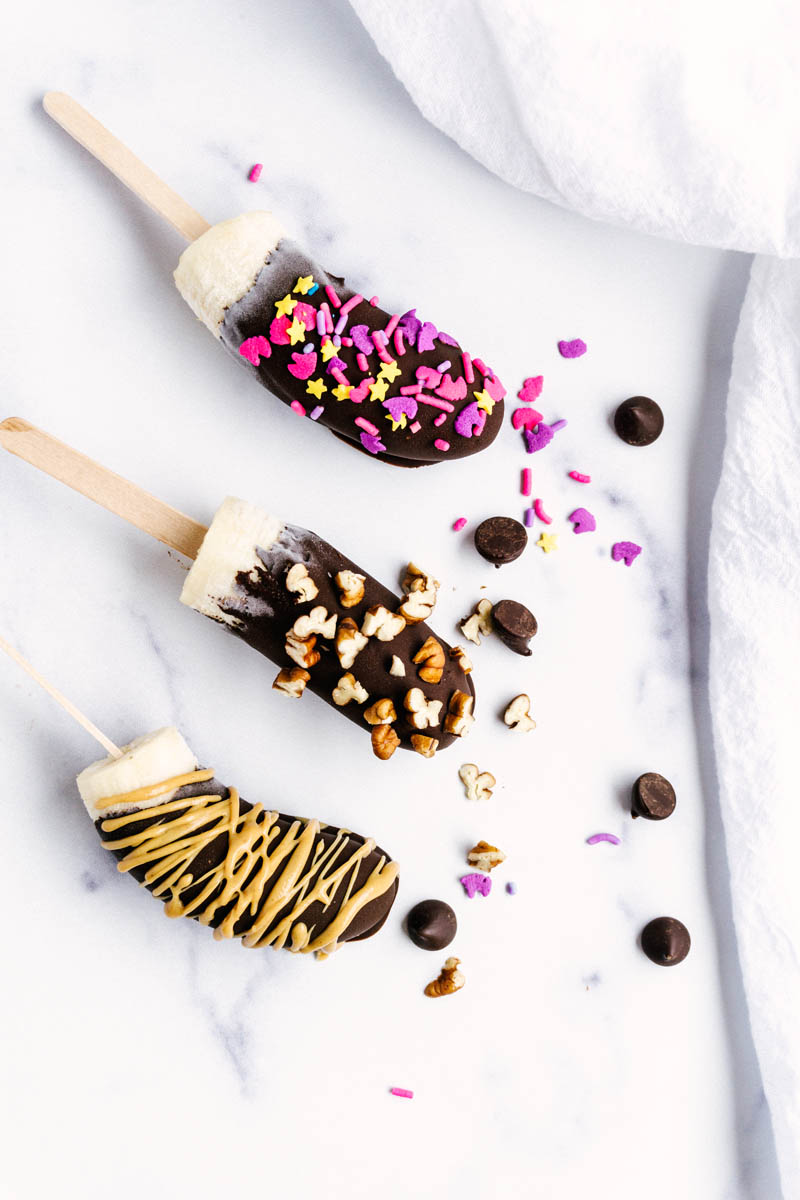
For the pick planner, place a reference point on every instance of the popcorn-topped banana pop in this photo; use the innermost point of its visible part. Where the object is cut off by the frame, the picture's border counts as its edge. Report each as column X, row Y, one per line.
column 392, row 384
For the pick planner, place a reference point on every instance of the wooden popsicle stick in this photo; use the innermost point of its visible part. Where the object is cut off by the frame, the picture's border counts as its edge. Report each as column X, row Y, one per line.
column 66, row 704
column 128, row 501
column 112, row 153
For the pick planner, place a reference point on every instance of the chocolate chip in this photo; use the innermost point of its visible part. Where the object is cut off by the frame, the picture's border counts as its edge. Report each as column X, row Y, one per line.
column 639, row 421
column 652, row 797
column 666, row 941
column 514, row 624
column 500, row 540
column 431, row 924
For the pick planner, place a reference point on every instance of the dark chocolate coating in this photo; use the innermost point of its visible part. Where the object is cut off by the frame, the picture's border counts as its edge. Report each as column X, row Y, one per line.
column 652, row 797
column 266, row 611
column 500, row 540
column 431, row 924
column 515, row 625
column 252, row 316
column 639, row 421
column 365, row 923
column 666, row 941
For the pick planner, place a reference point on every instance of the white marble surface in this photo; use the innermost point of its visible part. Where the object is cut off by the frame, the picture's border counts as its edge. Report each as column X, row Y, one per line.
column 141, row 1057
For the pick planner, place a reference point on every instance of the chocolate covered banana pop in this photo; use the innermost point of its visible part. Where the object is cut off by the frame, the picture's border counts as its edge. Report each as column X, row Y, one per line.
column 246, row 871
column 394, row 385
column 333, row 629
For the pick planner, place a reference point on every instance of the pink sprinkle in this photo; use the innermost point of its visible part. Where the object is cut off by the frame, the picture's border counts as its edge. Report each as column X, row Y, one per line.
column 347, row 341
column 440, row 420
column 298, row 408
column 350, row 304
column 379, row 346
column 390, row 328
column 415, row 428
column 331, row 294
column 340, row 377
column 529, row 517
column 361, row 360
column 328, row 318
column 367, row 426
column 602, row 837
column 255, row 172
column 469, row 374
column 441, row 444
column 541, row 514
column 531, row 389
column 526, row 481
column 576, row 475
column 402, row 1092
column 373, row 300
column 482, row 367
column 317, row 412
column 254, row 349
column 432, row 402
column 459, row 524
column 399, row 344
column 411, row 389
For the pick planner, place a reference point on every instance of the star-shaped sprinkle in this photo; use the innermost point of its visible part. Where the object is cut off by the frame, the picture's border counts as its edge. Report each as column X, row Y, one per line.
column 303, row 284
column 341, row 392
column 401, row 424
column 328, row 350
column 485, row 402
column 548, row 542
column 296, row 331
column 389, row 371
column 285, row 305
column 378, row 389
column 315, row 387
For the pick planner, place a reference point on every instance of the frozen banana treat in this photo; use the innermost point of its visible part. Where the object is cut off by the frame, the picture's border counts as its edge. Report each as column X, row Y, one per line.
column 247, row 872
column 392, row 384
column 334, row 630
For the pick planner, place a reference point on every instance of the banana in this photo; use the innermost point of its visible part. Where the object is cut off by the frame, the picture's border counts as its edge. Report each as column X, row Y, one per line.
column 146, row 761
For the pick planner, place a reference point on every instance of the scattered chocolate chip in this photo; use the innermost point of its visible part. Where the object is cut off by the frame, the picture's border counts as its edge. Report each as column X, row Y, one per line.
column 431, row 924
column 639, row 421
column 514, row 624
column 500, row 540
column 666, row 941
column 652, row 797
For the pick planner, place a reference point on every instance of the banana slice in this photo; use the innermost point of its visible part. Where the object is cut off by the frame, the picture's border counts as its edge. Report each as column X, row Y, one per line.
column 146, row 761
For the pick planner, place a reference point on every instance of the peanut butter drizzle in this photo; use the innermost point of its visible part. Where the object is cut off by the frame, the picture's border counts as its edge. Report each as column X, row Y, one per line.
column 143, row 794
column 300, row 861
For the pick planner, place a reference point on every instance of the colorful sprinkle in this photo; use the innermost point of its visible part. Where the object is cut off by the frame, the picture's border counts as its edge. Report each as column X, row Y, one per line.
column 495, row 388
column 363, row 423
column 342, row 392
column 361, row 361
column 468, row 420
column 378, row 389
column 558, row 425
column 313, row 289
column 346, row 341
column 315, row 388
column 254, row 347
column 602, row 837
column 360, row 392
column 469, row 374
column 303, row 285
column 440, row 420
column 401, row 406
column 415, row 428
column 390, row 371
column 526, row 481
column 373, row 301
column 485, row 401
column 350, row 304
column 428, row 377
column 339, row 327
column 392, row 325
column 625, row 552
column 442, row 445
column 278, row 331
column 576, row 475
column 531, row 389
column 459, row 524
column 381, row 348
column 297, row 407
column 476, row 884
column 426, row 338
column 446, row 340
column 411, row 389
column 529, row 517
column 541, row 514
column 296, row 332
column 582, row 521
column 574, row 349
column 339, row 375
column 331, row 294
column 511, row 888
column 410, row 325
column 402, row 1092
column 548, row 542
column 371, row 443
column 284, row 307
column 432, row 402
column 302, row 366
column 538, row 439
column 399, row 344
column 444, row 366
column 525, row 418
column 361, row 338
column 255, row 172
column 308, row 348
column 321, row 326
column 452, row 389
column 317, row 412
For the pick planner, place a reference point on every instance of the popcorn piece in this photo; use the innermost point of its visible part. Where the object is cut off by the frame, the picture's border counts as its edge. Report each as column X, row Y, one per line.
column 301, row 650
column 300, row 582
column 431, row 655
column 426, row 746
column 382, row 712
column 380, row 623
column 422, row 712
column 317, row 621
column 351, row 587
column 518, row 714
column 450, row 979
column 484, row 857
column 398, row 667
column 461, row 658
column 291, row 681
column 347, row 689
column 459, row 719
column 349, row 642
column 384, row 741
column 479, row 623
column 477, row 784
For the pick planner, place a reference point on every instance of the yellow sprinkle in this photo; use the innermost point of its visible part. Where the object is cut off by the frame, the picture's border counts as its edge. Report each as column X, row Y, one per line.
column 389, row 371
column 303, row 284
column 378, row 390
column 315, row 387
column 341, row 392
column 401, row 424
column 296, row 331
column 285, row 305
column 485, row 402
column 328, row 350
column 548, row 542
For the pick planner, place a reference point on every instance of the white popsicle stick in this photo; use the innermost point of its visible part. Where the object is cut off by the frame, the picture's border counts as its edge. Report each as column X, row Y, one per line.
column 115, row 155
column 83, row 475
column 66, row 704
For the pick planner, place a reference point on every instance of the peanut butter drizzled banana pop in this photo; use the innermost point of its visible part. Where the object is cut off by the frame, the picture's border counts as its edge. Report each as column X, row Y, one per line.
column 391, row 384
column 331, row 628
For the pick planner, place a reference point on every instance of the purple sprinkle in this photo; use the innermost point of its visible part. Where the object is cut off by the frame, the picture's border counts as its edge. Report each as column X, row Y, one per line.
column 573, row 349
column 445, row 366
column 538, row 439
column 309, row 346
column 426, row 335
column 602, row 837
column 557, row 425
column 320, row 322
column 336, row 364
column 372, row 443
column 475, row 883
column 410, row 324
column 317, row 412
column 529, row 515
column 511, row 888
column 625, row 552
column 582, row 521
column 337, row 341
column 340, row 324
column 361, row 339
column 446, row 339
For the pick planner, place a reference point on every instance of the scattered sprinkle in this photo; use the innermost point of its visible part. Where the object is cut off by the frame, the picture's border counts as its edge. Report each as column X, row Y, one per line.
column 576, row 475
column 366, row 425
column 625, row 552
column 574, row 349
column 442, row 445
column 303, row 285
column 531, row 389
column 402, row 1092
column 537, row 440
column 511, row 888
column 314, row 288
column 302, row 365
column 476, row 884
column 331, row 294
column 372, row 443
column 459, row 524
column 440, row 420
column 541, row 514
column 297, row 407
column 317, row 412
column 350, row 304
column 392, row 325
column 373, row 301
column 582, row 521
column 254, row 349
column 399, row 344
column 525, row 418
column 529, row 517
column 526, row 481
column 558, row 425
column 468, row 420
column 255, row 172
column 469, row 374
column 548, row 542
column 602, row 837
column 315, row 388
column 415, row 428
column 444, row 366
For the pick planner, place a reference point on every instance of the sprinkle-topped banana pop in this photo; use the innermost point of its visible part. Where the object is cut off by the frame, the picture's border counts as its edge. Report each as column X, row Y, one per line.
column 392, row 384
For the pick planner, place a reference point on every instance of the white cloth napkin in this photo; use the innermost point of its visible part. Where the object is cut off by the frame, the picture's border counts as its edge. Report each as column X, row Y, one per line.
column 681, row 120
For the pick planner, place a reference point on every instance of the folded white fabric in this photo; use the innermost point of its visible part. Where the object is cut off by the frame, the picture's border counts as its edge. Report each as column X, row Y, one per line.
column 681, row 120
